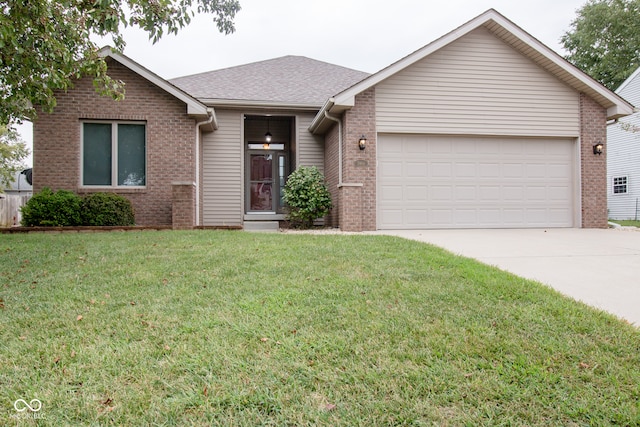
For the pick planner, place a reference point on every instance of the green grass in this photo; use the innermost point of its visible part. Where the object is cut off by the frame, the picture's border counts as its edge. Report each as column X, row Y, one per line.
column 626, row 223
column 230, row 328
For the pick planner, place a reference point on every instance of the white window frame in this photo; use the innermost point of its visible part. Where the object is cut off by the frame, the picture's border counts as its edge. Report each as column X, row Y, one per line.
column 625, row 185
column 114, row 154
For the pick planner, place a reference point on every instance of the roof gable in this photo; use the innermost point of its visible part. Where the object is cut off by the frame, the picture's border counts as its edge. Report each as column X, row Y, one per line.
column 630, row 88
column 289, row 81
column 512, row 35
column 194, row 107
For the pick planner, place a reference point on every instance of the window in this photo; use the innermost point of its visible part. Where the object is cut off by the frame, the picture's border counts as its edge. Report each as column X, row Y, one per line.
column 113, row 154
column 620, row 185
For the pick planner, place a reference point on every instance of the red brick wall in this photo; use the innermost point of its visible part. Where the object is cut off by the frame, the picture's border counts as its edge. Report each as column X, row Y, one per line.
column 184, row 214
column 360, row 165
column 593, row 129
column 170, row 141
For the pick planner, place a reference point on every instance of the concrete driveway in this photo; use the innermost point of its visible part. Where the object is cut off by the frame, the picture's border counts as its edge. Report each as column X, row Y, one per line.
column 598, row 267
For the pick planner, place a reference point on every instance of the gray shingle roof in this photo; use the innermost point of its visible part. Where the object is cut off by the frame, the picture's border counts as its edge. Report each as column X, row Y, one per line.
column 288, row 80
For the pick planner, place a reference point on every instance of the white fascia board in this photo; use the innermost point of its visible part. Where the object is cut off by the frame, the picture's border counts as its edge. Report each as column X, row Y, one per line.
column 194, row 107
column 629, row 79
column 243, row 103
column 621, row 106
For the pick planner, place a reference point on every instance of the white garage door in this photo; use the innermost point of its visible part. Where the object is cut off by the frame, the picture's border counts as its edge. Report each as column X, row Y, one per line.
column 474, row 182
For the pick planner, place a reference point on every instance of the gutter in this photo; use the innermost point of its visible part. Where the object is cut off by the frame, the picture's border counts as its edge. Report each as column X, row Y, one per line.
column 210, row 120
column 339, row 122
column 317, row 121
column 340, row 182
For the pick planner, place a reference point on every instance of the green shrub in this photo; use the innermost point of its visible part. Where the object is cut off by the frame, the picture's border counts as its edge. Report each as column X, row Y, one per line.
column 101, row 209
column 47, row 208
column 307, row 196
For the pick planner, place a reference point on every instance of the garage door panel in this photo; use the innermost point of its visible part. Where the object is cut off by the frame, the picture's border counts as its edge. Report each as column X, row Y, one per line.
column 441, row 193
column 489, row 170
column 466, row 170
column 392, row 193
column 393, row 218
column 416, row 192
column 416, row 217
column 441, row 170
column 559, row 193
column 390, row 169
column 414, row 170
column 536, row 170
column 536, row 194
column 490, row 193
column 490, row 217
column 465, row 193
column 457, row 182
column 441, row 217
column 559, row 171
column 439, row 147
column 466, row 217
column 512, row 170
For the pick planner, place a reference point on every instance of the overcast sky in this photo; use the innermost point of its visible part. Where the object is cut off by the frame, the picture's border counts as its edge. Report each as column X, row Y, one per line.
column 365, row 35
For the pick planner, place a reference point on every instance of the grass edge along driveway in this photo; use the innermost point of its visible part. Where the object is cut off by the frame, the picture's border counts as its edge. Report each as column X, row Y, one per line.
column 231, row 328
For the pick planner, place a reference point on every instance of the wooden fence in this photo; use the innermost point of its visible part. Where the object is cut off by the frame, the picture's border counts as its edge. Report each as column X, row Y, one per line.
column 10, row 205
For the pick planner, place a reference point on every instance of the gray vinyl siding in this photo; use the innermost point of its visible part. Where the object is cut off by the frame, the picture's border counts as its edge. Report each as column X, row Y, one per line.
column 623, row 158
column 477, row 85
column 222, row 182
column 310, row 147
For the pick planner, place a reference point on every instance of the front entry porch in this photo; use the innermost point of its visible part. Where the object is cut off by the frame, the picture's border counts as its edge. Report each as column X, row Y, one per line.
column 268, row 146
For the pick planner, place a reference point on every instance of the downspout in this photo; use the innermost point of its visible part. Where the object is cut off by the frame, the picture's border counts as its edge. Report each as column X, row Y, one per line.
column 197, row 152
column 335, row 119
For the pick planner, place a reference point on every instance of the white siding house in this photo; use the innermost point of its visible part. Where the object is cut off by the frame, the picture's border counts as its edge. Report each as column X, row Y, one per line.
column 623, row 157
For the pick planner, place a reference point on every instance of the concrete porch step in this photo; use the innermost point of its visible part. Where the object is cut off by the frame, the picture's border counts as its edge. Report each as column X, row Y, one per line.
column 262, row 226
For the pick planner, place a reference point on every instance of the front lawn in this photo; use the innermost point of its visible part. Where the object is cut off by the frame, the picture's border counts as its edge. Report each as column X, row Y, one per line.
column 232, row 328
column 626, row 222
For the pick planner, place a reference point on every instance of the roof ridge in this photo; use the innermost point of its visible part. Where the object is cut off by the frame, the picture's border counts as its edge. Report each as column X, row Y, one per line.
column 264, row 61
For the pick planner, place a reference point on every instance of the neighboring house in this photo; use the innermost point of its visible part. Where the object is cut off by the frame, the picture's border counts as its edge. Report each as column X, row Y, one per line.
column 14, row 197
column 21, row 184
column 483, row 128
column 623, row 157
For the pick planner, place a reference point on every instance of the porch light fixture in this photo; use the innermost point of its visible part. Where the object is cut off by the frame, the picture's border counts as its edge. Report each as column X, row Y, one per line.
column 362, row 142
column 598, row 148
column 268, row 136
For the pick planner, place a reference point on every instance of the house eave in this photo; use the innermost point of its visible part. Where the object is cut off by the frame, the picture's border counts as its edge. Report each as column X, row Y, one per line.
column 195, row 108
column 518, row 39
column 261, row 105
column 321, row 123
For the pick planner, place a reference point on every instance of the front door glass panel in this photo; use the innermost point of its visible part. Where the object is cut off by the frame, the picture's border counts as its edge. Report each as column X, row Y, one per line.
column 261, row 182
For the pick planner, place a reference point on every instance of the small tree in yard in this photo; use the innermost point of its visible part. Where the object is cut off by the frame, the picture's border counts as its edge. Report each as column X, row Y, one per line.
column 307, row 196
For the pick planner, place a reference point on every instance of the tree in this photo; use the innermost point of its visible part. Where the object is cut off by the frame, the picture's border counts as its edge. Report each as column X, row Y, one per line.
column 46, row 44
column 12, row 151
column 604, row 40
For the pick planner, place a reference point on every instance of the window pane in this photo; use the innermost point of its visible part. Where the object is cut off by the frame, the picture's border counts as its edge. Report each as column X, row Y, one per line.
column 131, row 154
column 96, row 159
column 261, row 167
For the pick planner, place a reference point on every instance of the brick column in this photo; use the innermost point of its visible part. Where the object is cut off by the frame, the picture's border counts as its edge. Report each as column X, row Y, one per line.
column 359, row 166
column 350, row 207
column 593, row 167
column 183, row 205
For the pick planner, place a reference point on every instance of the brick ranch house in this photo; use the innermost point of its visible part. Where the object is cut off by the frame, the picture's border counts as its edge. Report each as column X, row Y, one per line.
column 483, row 128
